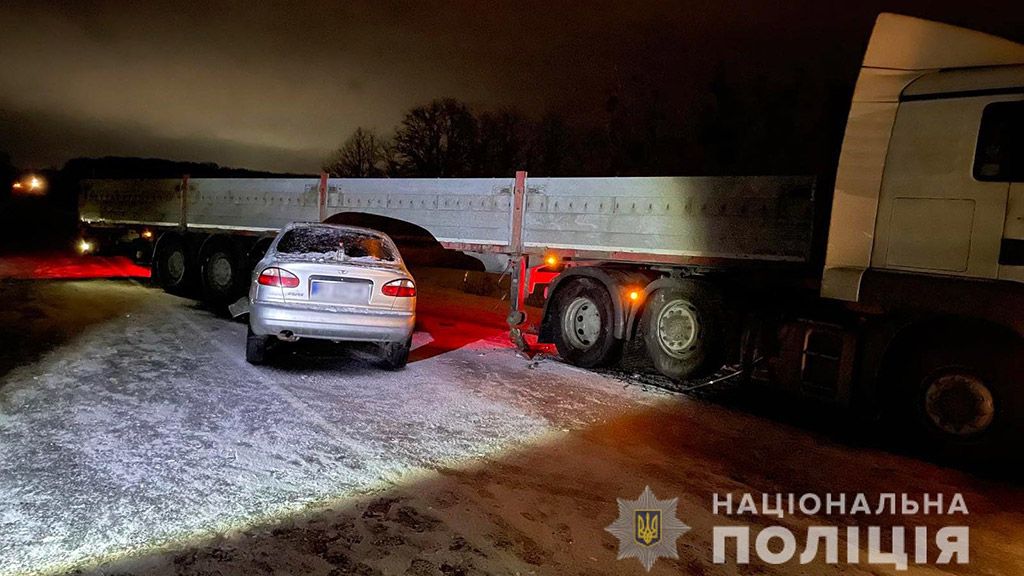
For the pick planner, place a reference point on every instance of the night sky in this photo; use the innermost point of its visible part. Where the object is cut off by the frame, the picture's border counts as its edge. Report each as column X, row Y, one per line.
column 275, row 86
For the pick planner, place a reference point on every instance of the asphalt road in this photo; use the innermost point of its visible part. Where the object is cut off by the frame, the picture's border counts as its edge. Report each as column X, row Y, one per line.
column 134, row 438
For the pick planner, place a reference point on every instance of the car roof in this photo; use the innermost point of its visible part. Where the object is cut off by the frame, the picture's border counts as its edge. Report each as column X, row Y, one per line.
column 344, row 227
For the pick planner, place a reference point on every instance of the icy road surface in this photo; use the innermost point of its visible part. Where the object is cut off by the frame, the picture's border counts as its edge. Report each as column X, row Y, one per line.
column 135, row 439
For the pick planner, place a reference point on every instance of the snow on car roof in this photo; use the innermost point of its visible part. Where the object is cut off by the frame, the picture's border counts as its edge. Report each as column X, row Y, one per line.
column 347, row 227
column 327, row 242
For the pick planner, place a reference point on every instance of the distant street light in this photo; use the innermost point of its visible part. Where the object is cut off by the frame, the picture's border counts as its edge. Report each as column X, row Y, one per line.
column 31, row 184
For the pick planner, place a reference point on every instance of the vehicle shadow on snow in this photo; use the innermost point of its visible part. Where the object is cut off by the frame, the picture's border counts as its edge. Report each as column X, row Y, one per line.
column 543, row 507
column 313, row 356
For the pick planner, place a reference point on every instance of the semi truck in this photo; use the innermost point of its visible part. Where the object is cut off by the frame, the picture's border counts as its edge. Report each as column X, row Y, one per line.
column 908, row 304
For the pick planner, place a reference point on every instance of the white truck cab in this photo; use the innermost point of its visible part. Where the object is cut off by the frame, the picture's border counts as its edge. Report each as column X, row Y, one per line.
column 929, row 179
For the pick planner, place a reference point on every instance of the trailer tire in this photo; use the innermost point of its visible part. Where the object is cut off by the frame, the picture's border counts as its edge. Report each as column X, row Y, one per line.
column 221, row 273
column 959, row 394
column 395, row 355
column 584, row 324
column 173, row 264
column 257, row 348
column 683, row 330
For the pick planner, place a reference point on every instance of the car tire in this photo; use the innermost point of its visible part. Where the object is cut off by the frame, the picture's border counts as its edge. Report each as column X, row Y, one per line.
column 683, row 330
column 257, row 348
column 395, row 355
column 584, row 324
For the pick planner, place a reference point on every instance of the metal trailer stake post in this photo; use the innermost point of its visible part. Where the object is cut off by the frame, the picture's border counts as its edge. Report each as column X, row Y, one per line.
column 322, row 195
column 183, row 216
column 516, row 315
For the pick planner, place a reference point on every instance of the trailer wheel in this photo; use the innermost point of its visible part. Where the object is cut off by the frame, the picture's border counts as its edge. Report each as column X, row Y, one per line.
column 173, row 264
column 221, row 273
column 584, row 327
column 683, row 330
column 960, row 395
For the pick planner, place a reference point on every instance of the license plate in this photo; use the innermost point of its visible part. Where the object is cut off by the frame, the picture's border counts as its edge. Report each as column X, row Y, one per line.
column 340, row 292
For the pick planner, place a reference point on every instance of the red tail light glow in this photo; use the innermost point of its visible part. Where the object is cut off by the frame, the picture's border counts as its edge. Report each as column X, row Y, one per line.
column 278, row 277
column 399, row 288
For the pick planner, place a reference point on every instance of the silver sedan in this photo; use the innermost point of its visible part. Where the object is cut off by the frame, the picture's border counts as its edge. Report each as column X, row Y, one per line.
column 331, row 282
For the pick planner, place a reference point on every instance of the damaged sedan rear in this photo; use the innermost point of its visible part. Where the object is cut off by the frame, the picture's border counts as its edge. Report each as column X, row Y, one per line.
column 330, row 282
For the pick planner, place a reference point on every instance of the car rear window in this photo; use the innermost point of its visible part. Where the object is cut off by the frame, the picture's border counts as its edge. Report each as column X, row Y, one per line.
column 324, row 242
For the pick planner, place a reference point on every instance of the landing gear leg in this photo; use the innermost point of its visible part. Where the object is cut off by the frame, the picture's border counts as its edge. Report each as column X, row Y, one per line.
column 516, row 314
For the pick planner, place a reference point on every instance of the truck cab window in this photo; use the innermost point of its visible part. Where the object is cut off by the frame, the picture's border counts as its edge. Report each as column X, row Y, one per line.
column 999, row 156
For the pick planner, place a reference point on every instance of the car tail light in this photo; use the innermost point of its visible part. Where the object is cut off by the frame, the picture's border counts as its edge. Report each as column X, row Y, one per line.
column 278, row 277
column 400, row 288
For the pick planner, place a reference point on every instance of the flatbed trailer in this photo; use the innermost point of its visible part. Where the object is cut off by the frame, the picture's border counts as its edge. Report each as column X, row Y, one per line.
column 660, row 220
column 208, row 231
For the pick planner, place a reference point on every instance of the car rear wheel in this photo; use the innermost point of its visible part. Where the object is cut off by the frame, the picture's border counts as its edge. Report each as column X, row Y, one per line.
column 257, row 348
column 395, row 355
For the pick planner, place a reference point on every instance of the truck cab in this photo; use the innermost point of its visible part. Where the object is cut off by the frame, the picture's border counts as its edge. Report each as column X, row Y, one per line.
column 917, row 313
column 927, row 230
column 931, row 159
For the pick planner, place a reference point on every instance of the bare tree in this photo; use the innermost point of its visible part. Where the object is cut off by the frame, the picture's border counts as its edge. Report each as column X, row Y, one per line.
column 363, row 155
column 437, row 140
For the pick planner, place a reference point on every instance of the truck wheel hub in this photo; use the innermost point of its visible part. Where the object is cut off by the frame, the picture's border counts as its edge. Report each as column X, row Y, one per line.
column 176, row 265
column 677, row 328
column 220, row 271
column 581, row 323
column 959, row 404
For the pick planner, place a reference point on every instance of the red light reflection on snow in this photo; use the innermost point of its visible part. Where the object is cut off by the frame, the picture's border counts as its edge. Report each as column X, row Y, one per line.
column 62, row 266
column 454, row 327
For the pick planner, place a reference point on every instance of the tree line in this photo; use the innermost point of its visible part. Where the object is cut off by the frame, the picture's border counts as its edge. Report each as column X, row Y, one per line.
column 750, row 126
column 445, row 138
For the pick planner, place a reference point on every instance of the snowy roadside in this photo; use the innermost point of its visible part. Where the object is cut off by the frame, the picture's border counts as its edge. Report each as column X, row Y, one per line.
column 147, row 427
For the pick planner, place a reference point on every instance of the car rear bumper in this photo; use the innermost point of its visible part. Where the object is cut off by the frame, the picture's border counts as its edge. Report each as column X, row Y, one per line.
column 341, row 323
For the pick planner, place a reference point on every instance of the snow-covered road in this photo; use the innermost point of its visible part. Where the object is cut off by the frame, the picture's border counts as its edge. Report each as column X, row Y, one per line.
column 134, row 438
column 147, row 426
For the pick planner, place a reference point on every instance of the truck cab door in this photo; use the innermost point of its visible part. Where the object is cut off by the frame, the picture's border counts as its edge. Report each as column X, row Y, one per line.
column 939, row 211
